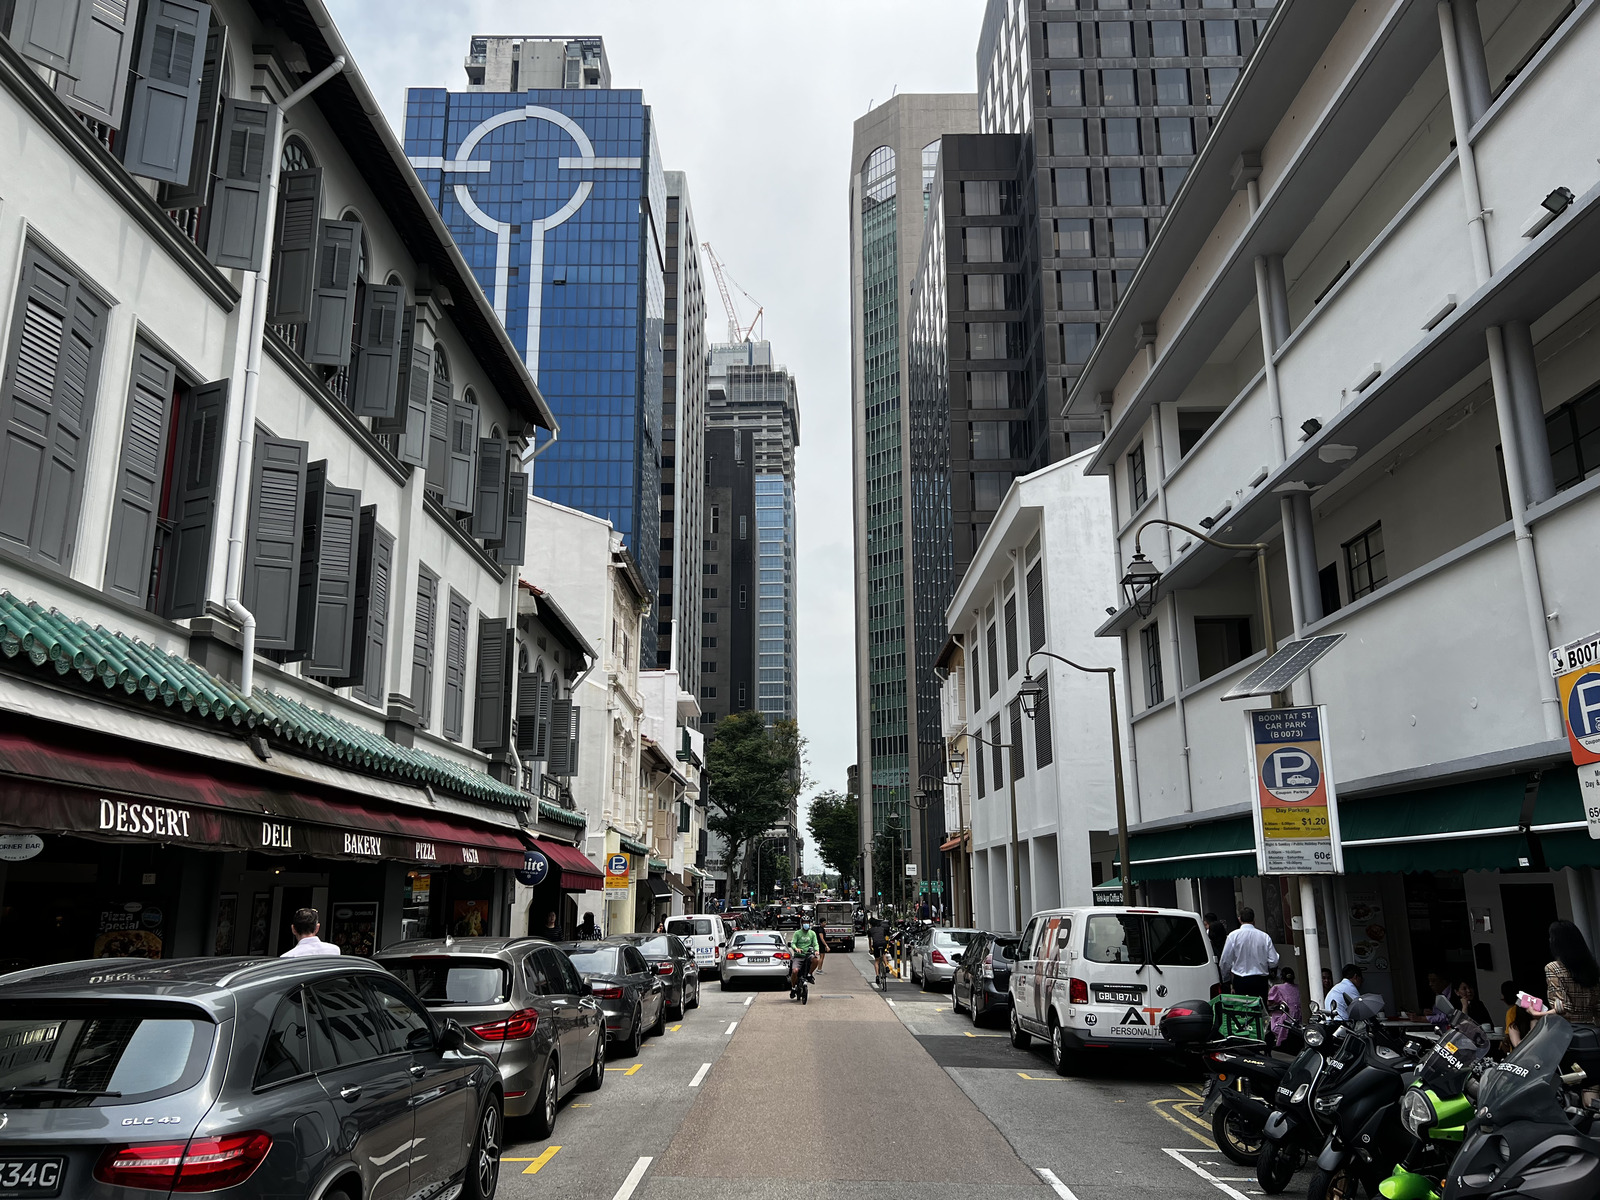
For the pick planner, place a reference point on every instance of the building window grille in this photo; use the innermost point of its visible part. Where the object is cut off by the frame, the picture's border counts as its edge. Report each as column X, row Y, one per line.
column 1364, row 562
column 1154, row 689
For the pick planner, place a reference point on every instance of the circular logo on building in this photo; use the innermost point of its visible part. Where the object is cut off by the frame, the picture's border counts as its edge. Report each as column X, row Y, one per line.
column 535, row 868
column 20, row 847
column 1290, row 774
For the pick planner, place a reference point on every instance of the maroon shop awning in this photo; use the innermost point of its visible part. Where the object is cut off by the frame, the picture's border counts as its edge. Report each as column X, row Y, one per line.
column 577, row 873
column 47, row 787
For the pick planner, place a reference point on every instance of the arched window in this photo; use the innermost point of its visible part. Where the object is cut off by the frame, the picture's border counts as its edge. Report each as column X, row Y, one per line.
column 879, row 182
column 441, row 367
column 522, row 659
column 930, row 161
column 296, row 155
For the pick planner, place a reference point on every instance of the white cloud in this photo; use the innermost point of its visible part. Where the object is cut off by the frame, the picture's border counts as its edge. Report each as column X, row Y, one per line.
column 755, row 102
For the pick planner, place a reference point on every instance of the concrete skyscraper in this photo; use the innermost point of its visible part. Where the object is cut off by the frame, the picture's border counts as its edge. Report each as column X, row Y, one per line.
column 895, row 150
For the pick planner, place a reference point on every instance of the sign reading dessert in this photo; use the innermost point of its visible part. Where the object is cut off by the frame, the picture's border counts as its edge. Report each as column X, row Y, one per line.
column 1294, row 809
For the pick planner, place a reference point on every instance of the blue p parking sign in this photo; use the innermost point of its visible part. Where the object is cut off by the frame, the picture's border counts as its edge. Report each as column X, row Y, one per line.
column 535, row 867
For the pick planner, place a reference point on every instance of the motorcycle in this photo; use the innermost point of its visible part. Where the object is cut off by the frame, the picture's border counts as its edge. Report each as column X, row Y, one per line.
column 1528, row 1139
column 1435, row 1110
column 1367, row 1137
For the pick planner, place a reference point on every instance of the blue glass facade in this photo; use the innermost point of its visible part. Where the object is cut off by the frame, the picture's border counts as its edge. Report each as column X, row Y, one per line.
column 558, row 201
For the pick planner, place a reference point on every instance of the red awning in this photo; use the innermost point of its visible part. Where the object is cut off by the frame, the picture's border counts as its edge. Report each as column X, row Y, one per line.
column 954, row 840
column 576, row 872
column 115, row 793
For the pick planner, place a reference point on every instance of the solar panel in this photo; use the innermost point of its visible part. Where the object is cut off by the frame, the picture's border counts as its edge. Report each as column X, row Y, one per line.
column 1283, row 668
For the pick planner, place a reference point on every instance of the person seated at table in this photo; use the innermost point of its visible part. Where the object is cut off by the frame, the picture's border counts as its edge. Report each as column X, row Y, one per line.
column 1344, row 993
column 1517, row 1022
column 1444, row 999
column 1467, row 1001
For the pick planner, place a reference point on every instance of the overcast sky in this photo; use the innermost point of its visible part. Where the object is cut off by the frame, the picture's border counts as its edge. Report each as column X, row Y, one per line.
column 755, row 102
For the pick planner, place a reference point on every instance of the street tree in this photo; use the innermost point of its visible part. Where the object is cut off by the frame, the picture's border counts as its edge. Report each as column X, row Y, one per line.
column 753, row 773
column 835, row 825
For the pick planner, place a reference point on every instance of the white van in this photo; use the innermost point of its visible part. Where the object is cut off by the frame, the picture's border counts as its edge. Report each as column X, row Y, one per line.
column 1100, row 977
column 705, row 934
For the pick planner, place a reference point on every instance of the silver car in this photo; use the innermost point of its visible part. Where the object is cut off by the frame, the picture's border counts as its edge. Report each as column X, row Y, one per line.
column 756, row 954
column 934, row 958
column 523, row 1005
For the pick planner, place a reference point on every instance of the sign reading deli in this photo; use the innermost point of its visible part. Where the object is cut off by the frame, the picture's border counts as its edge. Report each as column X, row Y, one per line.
column 68, row 811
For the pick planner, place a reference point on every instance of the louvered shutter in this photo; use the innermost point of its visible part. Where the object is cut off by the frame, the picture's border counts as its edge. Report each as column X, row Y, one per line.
column 455, row 666
column 463, row 449
column 414, row 370
column 136, row 503
column 490, row 696
column 575, row 742
column 422, row 639
column 370, row 632
column 100, row 61
column 327, row 599
column 513, row 549
column 376, row 371
column 1036, row 607
column 186, row 561
column 489, row 501
column 547, row 697
column 159, row 140
column 238, row 214
column 294, row 246
column 52, row 370
column 529, row 688
column 333, row 298
column 272, row 551
column 439, row 436
column 49, row 32
column 1043, row 741
column 560, row 744
column 196, row 190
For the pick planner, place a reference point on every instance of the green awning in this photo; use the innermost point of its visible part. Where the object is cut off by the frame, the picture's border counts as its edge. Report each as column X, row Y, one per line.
column 1561, row 803
column 1436, row 829
column 631, row 846
column 1218, row 849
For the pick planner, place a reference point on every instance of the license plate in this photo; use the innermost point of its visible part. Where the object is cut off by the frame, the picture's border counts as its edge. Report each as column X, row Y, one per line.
column 760, row 961
column 1118, row 995
column 31, row 1176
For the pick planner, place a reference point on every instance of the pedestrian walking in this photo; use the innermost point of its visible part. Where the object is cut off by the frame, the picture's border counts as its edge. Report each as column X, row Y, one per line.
column 1247, row 957
column 1216, row 933
column 588, row 931
column 1572, row 979
column 307, row 925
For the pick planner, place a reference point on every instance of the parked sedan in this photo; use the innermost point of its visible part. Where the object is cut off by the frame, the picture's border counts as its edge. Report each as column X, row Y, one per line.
column 934, row 957
column 674, row 964
column 631, row 995
column 523, row 1005
column 982, row 980
column 130, row 1077
column 755, row 955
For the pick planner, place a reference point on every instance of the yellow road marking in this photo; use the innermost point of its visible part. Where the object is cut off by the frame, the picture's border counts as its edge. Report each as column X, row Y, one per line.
column 1191, row 1092
column 674, row 1028
column 535, row 1163
column 1041, row 1078
column 1166, row 1116
column 969, row 1033
column 580, row 1106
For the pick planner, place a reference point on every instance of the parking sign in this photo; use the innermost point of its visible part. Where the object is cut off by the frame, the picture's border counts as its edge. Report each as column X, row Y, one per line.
column 1576, row 667
column 1295, row 811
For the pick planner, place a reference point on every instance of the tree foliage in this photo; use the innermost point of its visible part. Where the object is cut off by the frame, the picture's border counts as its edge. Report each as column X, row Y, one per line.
column 835, row 825
column 753, row 773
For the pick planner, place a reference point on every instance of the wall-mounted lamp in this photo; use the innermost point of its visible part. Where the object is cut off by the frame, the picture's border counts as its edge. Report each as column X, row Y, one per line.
column 1551, row 207
column 1311, row 427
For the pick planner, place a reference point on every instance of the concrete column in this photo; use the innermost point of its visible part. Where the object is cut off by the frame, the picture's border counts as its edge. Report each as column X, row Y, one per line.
column 1278, row 300
column 1533, row 442
column 1305, row 553
column 1474, row 66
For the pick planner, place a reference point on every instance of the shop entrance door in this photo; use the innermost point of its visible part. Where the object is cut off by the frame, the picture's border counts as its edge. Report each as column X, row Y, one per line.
column 1529, row 909
column 1441, row 931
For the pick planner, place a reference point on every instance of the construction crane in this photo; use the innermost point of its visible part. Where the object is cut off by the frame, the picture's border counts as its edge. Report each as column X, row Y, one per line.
column 735, row 334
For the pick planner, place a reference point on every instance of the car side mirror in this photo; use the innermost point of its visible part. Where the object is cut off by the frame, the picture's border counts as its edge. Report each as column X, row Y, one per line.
column 451, row 1036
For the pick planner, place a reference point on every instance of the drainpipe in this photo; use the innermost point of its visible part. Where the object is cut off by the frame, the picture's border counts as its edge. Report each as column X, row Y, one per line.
column 1499, row 374
column 244, row 451
column 1173, row 641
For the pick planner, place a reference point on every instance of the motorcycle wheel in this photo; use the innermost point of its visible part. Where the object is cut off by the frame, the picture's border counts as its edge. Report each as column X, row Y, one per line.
column 1235, row 1138
column 1275, row 1167
column 1340, row 1184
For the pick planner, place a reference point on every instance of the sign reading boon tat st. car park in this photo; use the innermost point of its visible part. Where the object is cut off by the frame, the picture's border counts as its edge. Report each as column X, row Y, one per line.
column 1294, row 808
column 1576, row 667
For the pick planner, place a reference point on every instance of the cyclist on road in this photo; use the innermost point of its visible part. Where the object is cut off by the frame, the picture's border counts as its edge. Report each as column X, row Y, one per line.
column 805, row 946
column 878, row 944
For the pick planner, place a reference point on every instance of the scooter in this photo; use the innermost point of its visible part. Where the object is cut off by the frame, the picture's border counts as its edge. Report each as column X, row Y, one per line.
column 1435, row 1110
column 1244, row 1078
column 1527, row 1139
column 1367, row 1138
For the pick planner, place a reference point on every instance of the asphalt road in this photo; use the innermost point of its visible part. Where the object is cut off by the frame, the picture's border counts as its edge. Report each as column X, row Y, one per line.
column 859, row 1095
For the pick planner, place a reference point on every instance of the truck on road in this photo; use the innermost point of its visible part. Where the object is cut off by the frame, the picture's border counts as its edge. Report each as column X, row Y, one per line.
column 835, row 919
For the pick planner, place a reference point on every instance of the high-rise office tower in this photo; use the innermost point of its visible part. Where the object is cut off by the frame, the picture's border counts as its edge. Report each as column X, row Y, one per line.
column 518, row 64
column 683, row 429
column 558, row 201
column 728, row 573
column 747, row 391
column 895, row 149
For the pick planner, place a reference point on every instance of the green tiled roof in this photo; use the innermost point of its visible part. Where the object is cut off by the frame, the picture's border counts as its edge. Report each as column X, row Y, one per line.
column 657, row 864
column 115, row 660
column 564, row 816
column 631, row 846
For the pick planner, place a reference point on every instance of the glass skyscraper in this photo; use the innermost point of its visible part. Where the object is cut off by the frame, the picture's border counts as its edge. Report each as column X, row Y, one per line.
column 775, row 624
column 558, row 201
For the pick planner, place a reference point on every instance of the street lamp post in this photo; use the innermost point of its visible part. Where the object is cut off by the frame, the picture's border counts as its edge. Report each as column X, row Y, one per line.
column 1016, row 855
column 1030, row 692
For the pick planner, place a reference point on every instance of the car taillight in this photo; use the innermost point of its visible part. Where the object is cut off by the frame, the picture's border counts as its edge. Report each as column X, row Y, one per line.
column 520, row 1024
column 1077, row 991
column 938, row 957
column 987, row 970
column 783, row 954
column 606, row 992
column 663, row 968
column 733, row 954
column 1216, row 990
column 199, row 1165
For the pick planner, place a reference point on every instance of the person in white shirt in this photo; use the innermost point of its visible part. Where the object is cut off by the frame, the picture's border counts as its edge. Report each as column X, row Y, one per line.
column 306, row 926
column 1247, row 957
column 1344, row 993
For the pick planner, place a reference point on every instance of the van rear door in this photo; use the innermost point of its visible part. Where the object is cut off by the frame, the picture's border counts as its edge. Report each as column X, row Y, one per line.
column 1135, row 964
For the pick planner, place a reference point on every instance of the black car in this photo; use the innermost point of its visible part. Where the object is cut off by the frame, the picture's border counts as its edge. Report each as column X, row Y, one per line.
column 263, row 1077
column 982, row 980
column 674, row 964
column 632, row 995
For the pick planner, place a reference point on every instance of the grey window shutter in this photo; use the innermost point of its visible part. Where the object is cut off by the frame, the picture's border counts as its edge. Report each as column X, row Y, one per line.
column 422, row 640
column 327, row 603
column 547, row 696
column 463, row 449
column 237, row 233
column 529, row 687
column 186, row 560
column 46, row 402
column 272, row 551
column 556, row 763
column 513, row 548
column 490, row 711
column 439, row 436
column 100, row 60
column 158, row 142
column 455, row 665
column 333, row 298
column 410, row 418
column 49, row 32
column 377, row 373
column 489, row 501
column 575, row 742
column 394, row 422
column 141, row 470
column 370, row 633
column 294, row 246
column 196, row 190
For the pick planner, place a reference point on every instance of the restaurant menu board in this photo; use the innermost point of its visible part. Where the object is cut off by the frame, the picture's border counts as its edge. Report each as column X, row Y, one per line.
column 131, row 930
column 471, row 918
column 354, row 928
column 227, row 918
column 1369, row 939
